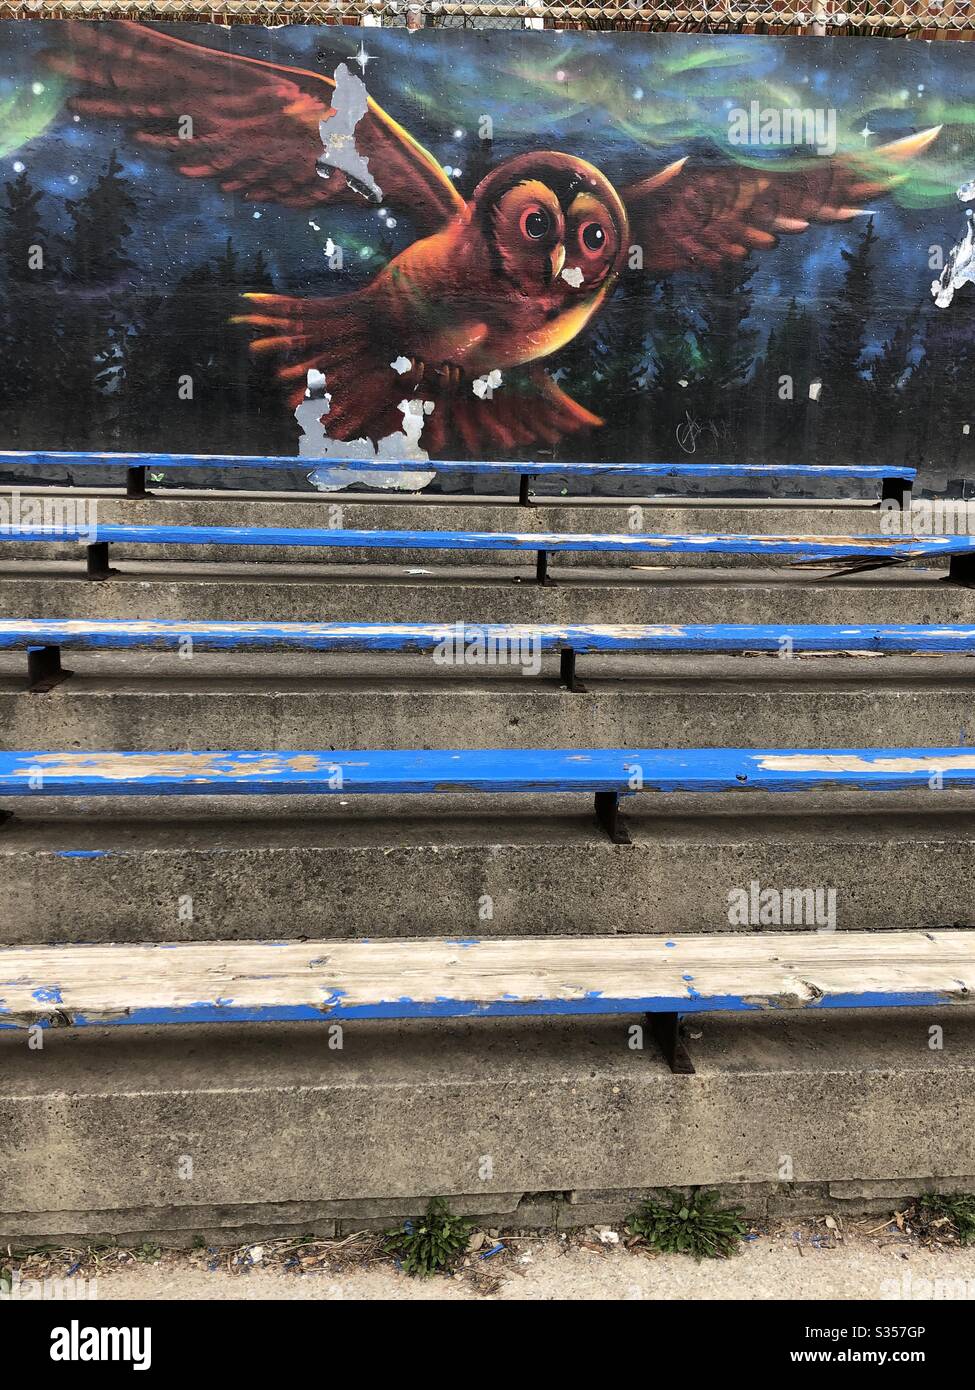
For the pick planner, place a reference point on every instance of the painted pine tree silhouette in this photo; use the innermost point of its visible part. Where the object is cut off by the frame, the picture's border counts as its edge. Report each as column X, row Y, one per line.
column 728, row 340
column 98, row 276
column 784, row 381
column 844, row 414
column 28, row 317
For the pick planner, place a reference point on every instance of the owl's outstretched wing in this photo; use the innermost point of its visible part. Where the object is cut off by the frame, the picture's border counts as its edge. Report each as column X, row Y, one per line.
column 343, row 340
column 254, row 125
column 694, row 215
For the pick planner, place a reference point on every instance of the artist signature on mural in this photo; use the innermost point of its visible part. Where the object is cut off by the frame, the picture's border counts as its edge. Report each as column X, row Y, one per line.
column 690, row 430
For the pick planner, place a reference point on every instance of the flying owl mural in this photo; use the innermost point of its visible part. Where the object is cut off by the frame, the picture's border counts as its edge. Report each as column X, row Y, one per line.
column 483, row 244
column 500, row 280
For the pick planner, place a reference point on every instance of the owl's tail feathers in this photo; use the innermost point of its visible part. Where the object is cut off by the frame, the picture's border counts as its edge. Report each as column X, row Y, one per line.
column 335, row 337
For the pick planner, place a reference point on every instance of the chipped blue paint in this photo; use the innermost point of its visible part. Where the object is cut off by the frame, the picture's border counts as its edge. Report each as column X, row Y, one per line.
column 876, row 547
column 47, row 459
column 324, row 773
column 463, row 941
column 152, row 635
column 590, row 1005
column 47, row 994
column 875, row 999
column 81, row 853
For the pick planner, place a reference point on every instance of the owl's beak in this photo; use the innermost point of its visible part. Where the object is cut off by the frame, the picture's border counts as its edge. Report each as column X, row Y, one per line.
column 556, row 261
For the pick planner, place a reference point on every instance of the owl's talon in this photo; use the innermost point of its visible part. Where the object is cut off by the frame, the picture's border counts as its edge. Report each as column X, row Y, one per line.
column 448, row 376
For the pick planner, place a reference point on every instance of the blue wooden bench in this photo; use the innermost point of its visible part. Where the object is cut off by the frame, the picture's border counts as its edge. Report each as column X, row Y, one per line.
column 241, row 982
column 606, row 773
column 44, row 639
column 336, row 981
column 870, row 550
column 895, row 480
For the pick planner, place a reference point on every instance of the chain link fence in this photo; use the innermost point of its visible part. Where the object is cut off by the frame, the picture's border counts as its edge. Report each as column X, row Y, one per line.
column 923, row 19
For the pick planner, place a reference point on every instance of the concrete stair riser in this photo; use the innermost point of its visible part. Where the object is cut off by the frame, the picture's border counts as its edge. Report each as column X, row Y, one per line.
column 868, row 711
column 101, row 1122
column 148, row 880
column 318, row 594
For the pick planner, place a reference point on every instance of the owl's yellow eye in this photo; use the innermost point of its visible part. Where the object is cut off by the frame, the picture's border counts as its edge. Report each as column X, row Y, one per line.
column 535, row 222
column 592, row 239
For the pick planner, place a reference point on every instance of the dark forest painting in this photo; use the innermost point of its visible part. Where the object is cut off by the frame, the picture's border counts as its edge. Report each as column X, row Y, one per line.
column 334, row 242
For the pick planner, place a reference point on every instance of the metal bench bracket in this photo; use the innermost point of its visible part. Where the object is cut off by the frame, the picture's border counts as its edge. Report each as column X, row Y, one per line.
column 609, row 818
column 44, row 669
column 666, row 1032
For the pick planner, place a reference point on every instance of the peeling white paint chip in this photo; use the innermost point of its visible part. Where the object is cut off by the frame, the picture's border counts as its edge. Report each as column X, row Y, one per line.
column 415, row 408
column 350, row 102
column 312, row 416
column 572, row 275
column 401, row 364
column 959, row 268
column 486, row 385
column 853, row 762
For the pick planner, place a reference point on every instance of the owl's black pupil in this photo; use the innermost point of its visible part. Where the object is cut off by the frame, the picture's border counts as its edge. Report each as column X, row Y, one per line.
column 536, row 224
column 593, row 236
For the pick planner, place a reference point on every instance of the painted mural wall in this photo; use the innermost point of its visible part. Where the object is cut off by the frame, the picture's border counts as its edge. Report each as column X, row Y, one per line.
column 332, row 242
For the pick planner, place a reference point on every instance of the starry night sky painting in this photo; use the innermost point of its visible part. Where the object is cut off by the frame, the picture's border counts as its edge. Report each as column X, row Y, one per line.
column 486, row 244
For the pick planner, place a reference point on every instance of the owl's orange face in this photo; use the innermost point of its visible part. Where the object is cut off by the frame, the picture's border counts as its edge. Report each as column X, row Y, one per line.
column 593, row 241
column 527, row 234
column 555, row 224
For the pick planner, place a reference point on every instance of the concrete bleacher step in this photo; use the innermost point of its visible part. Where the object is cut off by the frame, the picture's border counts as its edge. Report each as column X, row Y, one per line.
column 170, row 1130
column 150, row 700
column 402, row 1110
column 183, row 872
column 435, row 592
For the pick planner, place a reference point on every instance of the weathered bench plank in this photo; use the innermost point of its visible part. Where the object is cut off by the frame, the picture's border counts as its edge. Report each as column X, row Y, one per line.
column 148, row 635
column 43, row 639
column 870, row 547
column 45, row 458
column 234, row 982
column 432, row 771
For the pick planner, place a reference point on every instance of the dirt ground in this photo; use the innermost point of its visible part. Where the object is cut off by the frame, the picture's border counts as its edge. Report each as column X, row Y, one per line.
column 869, row 1260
